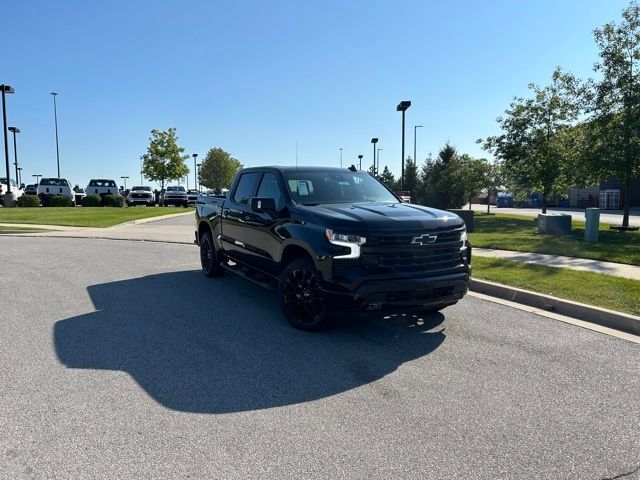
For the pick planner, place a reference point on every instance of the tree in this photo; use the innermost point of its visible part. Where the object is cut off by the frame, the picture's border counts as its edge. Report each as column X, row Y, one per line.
column 411, row 180
column 387, row 178
column 435, row 182
column 218, row 168
column 468, row 177
column 164, row 160
column 537, row 144
column 615, row 102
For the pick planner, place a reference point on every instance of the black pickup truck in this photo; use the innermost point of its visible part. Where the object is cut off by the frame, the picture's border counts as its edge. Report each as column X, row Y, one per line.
column 332, row 239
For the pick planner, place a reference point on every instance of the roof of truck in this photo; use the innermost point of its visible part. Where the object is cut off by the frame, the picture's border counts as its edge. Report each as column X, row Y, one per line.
column 305, row 168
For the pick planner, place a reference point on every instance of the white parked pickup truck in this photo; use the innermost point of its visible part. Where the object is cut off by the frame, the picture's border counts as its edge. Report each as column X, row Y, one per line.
column 102, row 187
column 51, row 187
column 15, row 189
column 140, row 195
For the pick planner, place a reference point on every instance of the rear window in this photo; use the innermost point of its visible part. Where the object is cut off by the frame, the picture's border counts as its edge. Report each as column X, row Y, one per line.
column 246, row 187
column 55, row 182
column 102, row 183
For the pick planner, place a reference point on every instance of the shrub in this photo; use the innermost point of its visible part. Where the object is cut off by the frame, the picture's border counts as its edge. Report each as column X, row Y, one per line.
column 60, row 201
column 113, row 201
column 92, row 201
column 29, row 201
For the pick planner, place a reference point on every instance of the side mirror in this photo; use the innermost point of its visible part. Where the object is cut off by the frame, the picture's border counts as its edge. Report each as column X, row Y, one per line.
column 259, row 204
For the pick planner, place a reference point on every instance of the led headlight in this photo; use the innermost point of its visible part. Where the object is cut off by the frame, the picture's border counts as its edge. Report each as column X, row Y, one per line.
column 353, row 242
column 463, row 235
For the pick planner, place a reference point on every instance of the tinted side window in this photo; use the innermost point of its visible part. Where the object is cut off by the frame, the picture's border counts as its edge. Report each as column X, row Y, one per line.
column 269, row 188
column 246, row 187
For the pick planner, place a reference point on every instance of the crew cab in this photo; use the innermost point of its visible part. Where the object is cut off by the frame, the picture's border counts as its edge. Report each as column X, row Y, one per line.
column 329, row 239
column 101, row 187
column 176, row 196
column 51, row 187
column 141, row 195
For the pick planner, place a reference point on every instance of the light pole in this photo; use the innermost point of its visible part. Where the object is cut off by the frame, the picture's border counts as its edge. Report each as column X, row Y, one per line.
column 374, row 141
column 402, row 107
column 15, row 130
column 195, row 169
column 340, row 158
column 19, row 176
column 415, row 128
column 6, row 89
column 198, row 175
column 55, row 119
column 378, row 162
column 360, row 161
column 37, row 178
column 125, row 182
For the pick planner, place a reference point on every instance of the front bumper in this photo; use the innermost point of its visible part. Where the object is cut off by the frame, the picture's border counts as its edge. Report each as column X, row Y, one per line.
column 175, row 201
column 404, row 293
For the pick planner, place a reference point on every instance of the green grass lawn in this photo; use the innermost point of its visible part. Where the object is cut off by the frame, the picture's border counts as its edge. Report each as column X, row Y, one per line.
column 516, row 232
column 21, row 229
column 83, row 216
column 597, row 289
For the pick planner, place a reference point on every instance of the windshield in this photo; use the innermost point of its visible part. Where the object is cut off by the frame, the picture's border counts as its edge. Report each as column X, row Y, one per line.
column 102, row 183
column 4, row 181
column 315, row 188
column 175, row 189
column 56, row 182
column 146, row 189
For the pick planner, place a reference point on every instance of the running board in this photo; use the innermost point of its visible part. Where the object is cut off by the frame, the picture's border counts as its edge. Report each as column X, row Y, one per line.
column 253, row 276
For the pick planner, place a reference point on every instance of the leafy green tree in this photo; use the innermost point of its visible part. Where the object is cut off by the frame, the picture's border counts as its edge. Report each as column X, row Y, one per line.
column 164, row 160
column 468, row 176
column 218, row 168
column 615, row 102
column 387, row 178
column 537, row 144
column 435, row 179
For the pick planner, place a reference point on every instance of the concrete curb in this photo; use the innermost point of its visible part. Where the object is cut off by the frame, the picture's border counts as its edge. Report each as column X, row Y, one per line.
column 155, row 219
column 581, row 311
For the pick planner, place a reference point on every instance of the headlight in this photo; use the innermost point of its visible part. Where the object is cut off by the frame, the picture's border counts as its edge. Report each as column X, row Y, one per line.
column 463, row 235
column 353, row 242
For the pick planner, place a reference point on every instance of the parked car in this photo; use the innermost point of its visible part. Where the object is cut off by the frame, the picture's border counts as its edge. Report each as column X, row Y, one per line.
column 176, row 196
column 102, row 187
column 141, row 195
column 333, row 239
column 404, row 196
column 50, row 187
column 15, row 189
column 31, row 189
column 79, row 194
column 192, row 196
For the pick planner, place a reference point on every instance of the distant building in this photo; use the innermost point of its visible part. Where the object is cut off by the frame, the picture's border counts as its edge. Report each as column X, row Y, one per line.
column 612, row 194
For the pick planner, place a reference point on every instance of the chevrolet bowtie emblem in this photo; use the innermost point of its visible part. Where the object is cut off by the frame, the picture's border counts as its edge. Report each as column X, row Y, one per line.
column 424, row 239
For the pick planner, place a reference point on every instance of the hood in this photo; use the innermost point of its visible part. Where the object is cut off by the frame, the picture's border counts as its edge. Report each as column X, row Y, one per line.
column 376, row 217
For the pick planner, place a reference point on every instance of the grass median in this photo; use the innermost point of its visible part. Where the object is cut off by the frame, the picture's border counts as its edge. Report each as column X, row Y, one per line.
column 519, row 233
column 83, row 216
column 620, row 294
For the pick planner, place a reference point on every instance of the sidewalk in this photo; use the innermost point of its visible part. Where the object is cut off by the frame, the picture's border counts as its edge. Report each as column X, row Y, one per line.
column 606, row 216
column 616, row 269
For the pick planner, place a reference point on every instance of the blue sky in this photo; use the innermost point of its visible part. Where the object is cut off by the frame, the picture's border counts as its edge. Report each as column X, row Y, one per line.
column 254, row 77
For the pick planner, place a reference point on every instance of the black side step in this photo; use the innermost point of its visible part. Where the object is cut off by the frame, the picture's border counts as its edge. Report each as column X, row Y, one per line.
column 253, row 276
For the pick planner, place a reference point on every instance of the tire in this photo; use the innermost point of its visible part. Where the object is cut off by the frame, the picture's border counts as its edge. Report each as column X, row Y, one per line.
column 301, row 297
column 209, row 259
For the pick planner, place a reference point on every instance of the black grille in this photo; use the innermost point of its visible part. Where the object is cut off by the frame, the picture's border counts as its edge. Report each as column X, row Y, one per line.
column 404, row 239
column 396, row 253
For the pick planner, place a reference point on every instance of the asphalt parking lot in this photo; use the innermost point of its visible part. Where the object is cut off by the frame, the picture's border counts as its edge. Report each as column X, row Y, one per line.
column 120, row 359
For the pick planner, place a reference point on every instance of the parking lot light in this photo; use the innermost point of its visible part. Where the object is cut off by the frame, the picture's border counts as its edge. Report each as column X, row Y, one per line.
column 374, row 141
column 360, row 161
column 6, row 89
column 55, row 119
column 125, row 182
column 195, row 169
column 38, row 176
column 15, row 130
column 402, row 107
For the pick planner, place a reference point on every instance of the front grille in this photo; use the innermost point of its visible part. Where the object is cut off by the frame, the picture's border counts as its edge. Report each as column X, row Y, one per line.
column 396, row 254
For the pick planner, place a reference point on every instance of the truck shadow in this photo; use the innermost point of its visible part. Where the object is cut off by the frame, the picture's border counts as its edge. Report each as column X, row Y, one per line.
column 220, row 345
